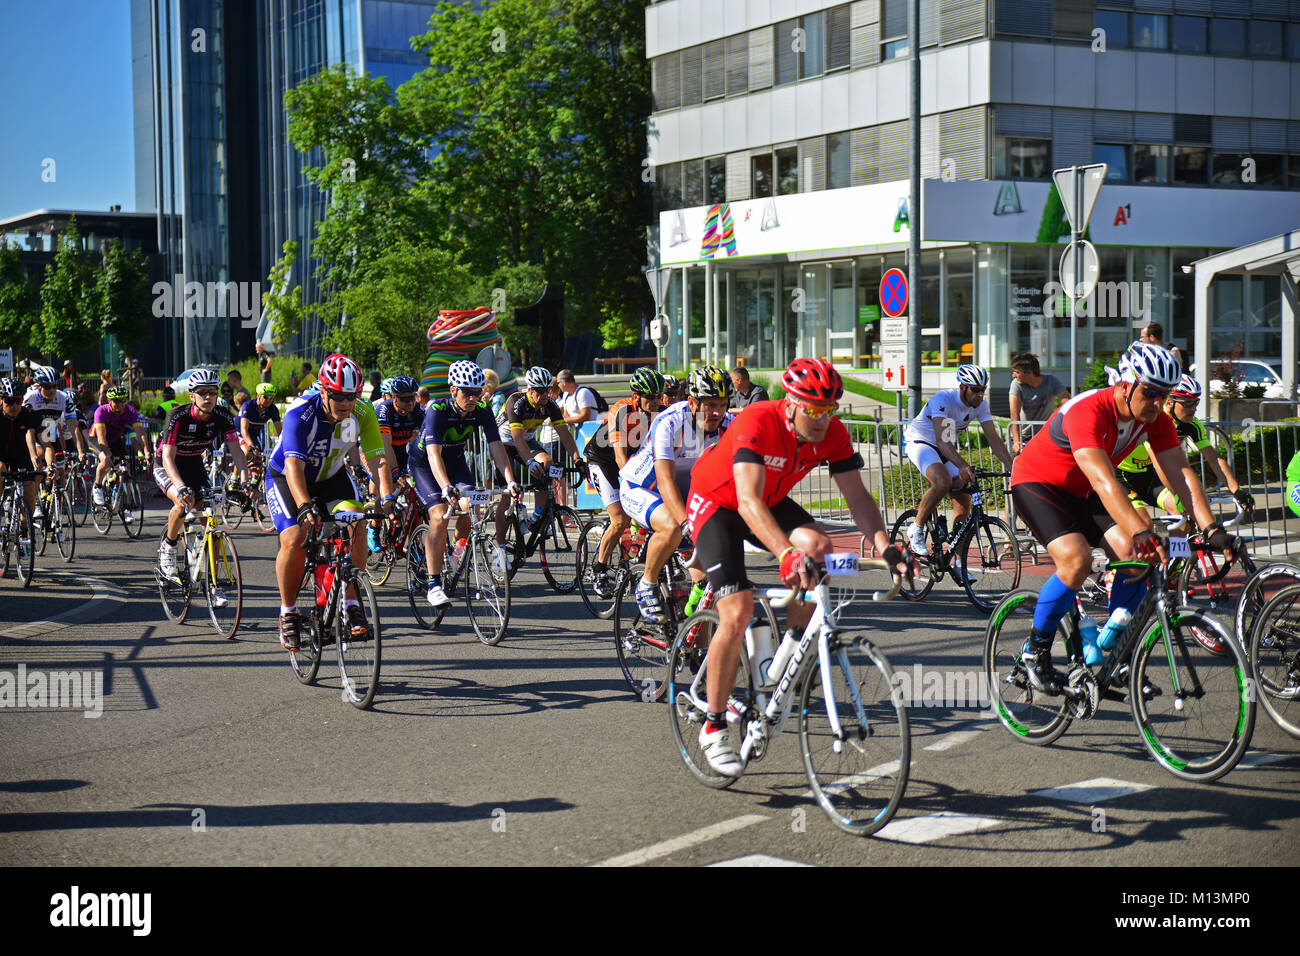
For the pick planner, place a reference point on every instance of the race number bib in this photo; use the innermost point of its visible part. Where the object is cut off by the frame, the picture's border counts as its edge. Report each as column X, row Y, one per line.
column 842, row 565
column 556, row 472
column 977, row 499
column 478, row 498
column 1178, row 548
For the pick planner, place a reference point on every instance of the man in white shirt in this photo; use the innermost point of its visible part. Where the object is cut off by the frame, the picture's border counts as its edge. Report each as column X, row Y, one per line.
column 578, row 404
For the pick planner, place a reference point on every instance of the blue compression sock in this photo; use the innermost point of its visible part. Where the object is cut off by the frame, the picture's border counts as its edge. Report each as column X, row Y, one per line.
column 1125, row 594
column 1053, row 602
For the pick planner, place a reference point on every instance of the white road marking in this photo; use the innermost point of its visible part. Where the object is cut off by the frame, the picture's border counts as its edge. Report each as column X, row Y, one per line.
column 1260, row 758
column 759, row 859
column 948, row 741
column 1092, row 791
column 852, row 780
column 686, row 840
column 935, row 826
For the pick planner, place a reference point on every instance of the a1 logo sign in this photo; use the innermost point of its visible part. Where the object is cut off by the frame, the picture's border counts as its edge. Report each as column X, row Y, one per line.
column 1178, row 548
column 842, row 564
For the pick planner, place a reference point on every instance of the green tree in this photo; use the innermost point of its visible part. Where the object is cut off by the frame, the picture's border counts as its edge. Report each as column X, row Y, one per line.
column 122, row 290
column 20, row 303
column 71, row 316
column 283, row 305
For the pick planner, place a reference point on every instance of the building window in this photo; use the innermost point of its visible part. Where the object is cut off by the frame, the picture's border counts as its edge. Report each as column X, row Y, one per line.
column 838, row 167
column 1021, row 158
column 1115, row 156
column 1115, row 23
column 813, row 60
column 787, row 171
column 738, row 64
column 1150, row 31
column 893, row 30
column 787, row 54
column 693, row 182
column 1191, row 165
column 1150, row 163
column 838, row 35
column 1227, row 37
column 715, row 180
column 1293, row 41
column 761, row 175
column 1190, row 34
column 1265, row 38
column 1293, row 172
column 1228, row 169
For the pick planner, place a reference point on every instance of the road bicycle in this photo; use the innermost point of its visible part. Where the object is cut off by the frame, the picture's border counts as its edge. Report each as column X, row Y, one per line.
column 17, row 528
column 554, row 535
column 1259, row 590
column 982, row 554
column 80, row 481
column 248, row 497
column 1183, row 675
column 642, row 646
column 1275, row 657
column 330, row 574
column 394, row 535
column 58, row 519
column 482, row 568
column 853, row 726
column 123, row 498
column 206, row 563
column 626, row 551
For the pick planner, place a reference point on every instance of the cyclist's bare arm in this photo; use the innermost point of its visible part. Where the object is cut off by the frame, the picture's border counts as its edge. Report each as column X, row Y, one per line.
column 1100, row 473
column 1177, row 475
column 567, row 440
column 521, row 445
column 1220, row 468
column 237, row 454
column 1016, row 408
column 389, row 454
column 863, row 508
column 666, row 472
column 995, row 442
column 295, row 476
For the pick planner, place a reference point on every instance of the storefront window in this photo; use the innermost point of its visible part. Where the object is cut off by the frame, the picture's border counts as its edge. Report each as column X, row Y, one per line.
column 1225, row 314
column 959, row 304
column 1150, row 163
column 1264, row 323
column 868, row 308
column 754, row 308
column 1112, row 308
column 1030, row 271
column 695, row 310
column 843, row 334
column 928, row 298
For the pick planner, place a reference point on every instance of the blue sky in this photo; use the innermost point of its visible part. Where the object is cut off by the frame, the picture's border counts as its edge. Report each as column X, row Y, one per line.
column 65, row 73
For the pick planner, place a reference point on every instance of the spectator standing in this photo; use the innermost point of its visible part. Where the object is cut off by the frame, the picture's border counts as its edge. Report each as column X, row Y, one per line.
column 301, row 380
column 747, row 393
column 423, row 396
column 234, row 382
column 1034, row 396
column 70, row 377
column 577, row 402
column 105, row 383
column 1154, row 333
column 263, row 362
column 375, row 381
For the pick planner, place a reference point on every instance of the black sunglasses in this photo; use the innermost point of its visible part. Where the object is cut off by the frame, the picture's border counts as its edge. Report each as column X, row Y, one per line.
column 1155, row 393
column 15, row 400
column 205, row 392
column 340, row 396
column 471, row 391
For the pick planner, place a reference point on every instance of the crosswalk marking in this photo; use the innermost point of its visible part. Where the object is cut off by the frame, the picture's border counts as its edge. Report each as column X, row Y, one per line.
column 1260, row 758
column 854, row 779
column 694, row 838
column 759, row 859
column 1092, row 791
column 948, row 741
column 935, row 826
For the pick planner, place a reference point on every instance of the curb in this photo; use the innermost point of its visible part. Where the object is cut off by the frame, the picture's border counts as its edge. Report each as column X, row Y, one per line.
column 105, row 596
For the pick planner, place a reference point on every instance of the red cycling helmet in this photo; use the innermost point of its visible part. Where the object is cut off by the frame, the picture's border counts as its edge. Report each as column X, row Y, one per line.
column 813, row 380
column 338, row 373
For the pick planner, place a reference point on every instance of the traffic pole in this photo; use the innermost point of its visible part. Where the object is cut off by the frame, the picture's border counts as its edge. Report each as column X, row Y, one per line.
column 914, row 213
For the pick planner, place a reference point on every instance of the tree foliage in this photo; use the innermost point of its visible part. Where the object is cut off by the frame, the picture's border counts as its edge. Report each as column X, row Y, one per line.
column 284, row 305
column 20, row 302
column 123, row 294
column 71, row 317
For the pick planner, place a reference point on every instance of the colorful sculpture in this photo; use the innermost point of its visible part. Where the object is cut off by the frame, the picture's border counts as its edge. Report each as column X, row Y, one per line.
column 459, row 334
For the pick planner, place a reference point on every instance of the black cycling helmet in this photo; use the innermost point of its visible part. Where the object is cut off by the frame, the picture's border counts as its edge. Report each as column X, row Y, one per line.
column 710, row 381
column 646, row 381
column 11, row 388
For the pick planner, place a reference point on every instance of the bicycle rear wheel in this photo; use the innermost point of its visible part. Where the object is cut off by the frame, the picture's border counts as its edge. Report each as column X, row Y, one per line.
column 133, row 501
column 260, row 514
column 1032, row 716
column 487, row 591
column 559, row 549
column 925, row 577
column 642, row 647
column 1201, row 729
column 102, row 515
column 417, row 578
column 65, row 525
column 380, row 566
column 1275, row 658
column 224, row 586
column 232, row 510
column 22, row 537
column 175, row 595
column 1259, row 590
column 588, row 549
column 687, row 693
column 45, row 523
column 81, row 499
column 858, row 775
column 359, row 661
column 989, row 563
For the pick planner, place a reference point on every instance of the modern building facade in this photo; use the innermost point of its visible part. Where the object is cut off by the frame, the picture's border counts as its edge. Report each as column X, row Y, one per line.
column 213, row 157
column 779, row 144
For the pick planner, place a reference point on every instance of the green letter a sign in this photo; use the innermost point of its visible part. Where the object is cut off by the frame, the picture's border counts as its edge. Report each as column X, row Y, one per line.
column 1055, row 227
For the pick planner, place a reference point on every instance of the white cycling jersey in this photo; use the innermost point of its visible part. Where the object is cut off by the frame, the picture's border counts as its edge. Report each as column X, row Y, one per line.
column 945, row 404
column 672, row 435
column 56, row 415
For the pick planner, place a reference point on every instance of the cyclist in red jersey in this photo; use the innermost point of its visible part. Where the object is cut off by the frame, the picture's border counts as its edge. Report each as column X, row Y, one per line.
column 739, row 493
column 1065, row 489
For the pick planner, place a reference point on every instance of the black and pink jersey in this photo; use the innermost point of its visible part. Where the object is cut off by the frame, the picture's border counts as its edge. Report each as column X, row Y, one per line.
column 192, row 436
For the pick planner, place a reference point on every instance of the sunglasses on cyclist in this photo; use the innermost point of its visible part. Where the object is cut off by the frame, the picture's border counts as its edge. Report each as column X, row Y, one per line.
column 408, row 398
column 468, row 391
column 1155, row 394
column 978, row 390
column 206, row 392
column 816, row 411
column 14, row 400
column 334, row 396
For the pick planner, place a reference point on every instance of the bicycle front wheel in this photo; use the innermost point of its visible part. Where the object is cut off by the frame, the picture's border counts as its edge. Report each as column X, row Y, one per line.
column 223, row 587
column 487, row 589
column 65, row 524
column 81, row 499
column 417, row 578
column 175, row 595
column 989, row 563
column 133, row 504
column 380, row 566
column 23, row 537
column 588, row 550
column 359, row 660
column 687, row 692
column 1275, row 658
column 559, row 549
column 1032, row 716
column 925, row 577
column 1192, row 704
column 232, row 511
column 305, row 661
column 859, row 773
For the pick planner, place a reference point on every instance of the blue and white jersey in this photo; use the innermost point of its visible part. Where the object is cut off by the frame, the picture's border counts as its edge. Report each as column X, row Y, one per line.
column 672, row 435
column 56, row 415
column 322, row 445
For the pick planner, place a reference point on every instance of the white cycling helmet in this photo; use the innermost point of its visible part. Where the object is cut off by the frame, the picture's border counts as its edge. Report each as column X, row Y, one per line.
column 467, row 374
column 203, row 378
column 1150, row 365
column 1188, row 386
column 973, row 376
column 538, row 377
column 43, row 375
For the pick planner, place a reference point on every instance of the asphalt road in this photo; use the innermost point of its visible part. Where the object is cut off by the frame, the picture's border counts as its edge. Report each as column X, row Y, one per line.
column 534, row 752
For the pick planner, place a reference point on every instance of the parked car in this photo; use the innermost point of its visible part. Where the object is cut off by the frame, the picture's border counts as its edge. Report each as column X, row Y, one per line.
column 1249, row 372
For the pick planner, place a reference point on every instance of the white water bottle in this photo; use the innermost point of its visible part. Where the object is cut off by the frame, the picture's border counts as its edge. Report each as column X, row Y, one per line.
column 758, row 644
column 194, row 551
column 783, row 653
column 1114, row 627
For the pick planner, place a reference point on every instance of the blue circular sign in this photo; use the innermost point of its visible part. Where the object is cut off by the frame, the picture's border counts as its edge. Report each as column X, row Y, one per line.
column 893, row 293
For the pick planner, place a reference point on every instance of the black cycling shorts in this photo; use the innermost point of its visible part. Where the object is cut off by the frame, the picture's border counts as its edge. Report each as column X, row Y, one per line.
column 191, row 470
column 1050, row 512
column 1145, row 486
column 719, row 544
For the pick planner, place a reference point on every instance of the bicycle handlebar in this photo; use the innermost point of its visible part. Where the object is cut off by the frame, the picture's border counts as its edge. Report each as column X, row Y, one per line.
column 780, row 597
